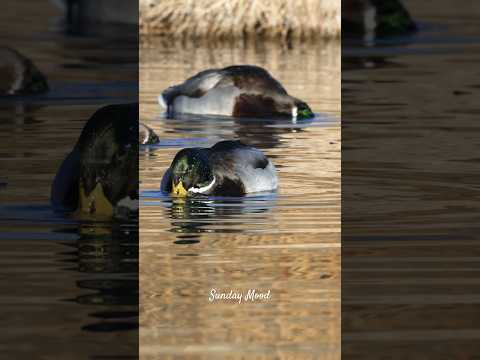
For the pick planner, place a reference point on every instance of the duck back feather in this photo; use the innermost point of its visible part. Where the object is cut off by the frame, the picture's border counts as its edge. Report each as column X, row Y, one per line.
column 238, row 162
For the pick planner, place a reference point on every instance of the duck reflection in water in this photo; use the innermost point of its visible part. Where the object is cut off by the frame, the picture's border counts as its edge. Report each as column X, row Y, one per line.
column 197, row 215
column 107, row 255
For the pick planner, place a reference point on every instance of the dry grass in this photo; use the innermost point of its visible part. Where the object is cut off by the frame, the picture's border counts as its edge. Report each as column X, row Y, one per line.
column 241, row 19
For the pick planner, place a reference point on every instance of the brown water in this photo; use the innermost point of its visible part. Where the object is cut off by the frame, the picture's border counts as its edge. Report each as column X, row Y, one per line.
column 410, row 258
column 69, row 289
column 286, row 242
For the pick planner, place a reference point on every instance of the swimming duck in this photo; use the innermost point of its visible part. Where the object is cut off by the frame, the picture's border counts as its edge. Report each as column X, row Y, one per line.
column 18, row 75
column 100, row 176
column 375, row 18
column 240, row 91
column 229, row 168
column 111, row 11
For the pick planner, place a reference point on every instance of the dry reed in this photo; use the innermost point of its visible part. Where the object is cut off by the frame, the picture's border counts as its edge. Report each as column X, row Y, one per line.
column 241, row 19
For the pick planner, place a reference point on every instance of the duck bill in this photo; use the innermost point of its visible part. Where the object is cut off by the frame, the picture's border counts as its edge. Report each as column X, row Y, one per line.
column 95, row 203
column 179, row 189
column 305, row 114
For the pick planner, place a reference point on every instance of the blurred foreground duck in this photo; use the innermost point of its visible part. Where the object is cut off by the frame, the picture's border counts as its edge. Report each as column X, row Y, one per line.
column 240, row 91
column 19, row 75
column 105, row 11
column 100, row 176
column 229, row 168
column 373, row 19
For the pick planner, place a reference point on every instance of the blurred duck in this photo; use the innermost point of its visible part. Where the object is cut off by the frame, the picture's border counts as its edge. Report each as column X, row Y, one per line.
column 229, row 168
column 19, row 75
column 104, row 11
column 240, row 91
column 100, row 176
column 375, row 18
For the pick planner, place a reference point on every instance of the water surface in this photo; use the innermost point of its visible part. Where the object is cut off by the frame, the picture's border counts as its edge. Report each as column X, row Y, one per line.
column 410, row 212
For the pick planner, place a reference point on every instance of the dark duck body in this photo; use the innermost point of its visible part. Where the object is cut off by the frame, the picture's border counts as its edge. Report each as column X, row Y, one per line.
column 239, row 91
column 229, row 168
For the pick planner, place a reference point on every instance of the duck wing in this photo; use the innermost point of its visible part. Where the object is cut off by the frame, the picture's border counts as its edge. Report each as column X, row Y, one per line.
column 252, row 79
column 239, row 165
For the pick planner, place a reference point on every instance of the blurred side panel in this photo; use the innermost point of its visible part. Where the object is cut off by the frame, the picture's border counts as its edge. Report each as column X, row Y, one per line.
column 410, row 166
column 69, row 179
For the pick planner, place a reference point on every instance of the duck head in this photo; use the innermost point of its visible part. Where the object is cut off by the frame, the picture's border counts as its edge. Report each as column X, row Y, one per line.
column 301, row 110
column 291, row 106
column 191, row 173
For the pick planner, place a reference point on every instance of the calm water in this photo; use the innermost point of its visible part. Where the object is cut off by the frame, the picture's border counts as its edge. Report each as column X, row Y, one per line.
column 69, row 289
column 410, row 253
column 287, row 242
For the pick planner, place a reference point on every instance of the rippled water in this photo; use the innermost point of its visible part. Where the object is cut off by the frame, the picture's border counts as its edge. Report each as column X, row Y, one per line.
column 69, row 288
column 410, row 212
column 286, row 242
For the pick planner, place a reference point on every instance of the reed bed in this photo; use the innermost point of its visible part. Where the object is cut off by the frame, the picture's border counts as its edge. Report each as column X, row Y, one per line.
column 241, row 19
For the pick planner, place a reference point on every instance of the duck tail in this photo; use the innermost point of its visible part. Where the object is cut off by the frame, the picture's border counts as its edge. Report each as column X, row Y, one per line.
column 166, row 97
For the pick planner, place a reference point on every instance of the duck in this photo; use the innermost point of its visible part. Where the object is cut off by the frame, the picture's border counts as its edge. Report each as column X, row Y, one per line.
column 105, row 11
column 19, row 75
column 146, row 135
column 237, row 91
column 230, row 168
column 373, row 19
column 99, row 177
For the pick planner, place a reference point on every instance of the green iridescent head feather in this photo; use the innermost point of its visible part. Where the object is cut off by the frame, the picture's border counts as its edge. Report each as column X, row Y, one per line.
column 304, row 111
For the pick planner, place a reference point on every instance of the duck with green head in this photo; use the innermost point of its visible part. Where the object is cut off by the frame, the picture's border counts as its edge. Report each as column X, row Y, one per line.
column 229, row 168
column 99, row 177
column 239, row 91
column 373, row 19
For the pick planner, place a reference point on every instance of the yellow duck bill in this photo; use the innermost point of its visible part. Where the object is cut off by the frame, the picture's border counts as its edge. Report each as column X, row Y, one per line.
column 179, row 190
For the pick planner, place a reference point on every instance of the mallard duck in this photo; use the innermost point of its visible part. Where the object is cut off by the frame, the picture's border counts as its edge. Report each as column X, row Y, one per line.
column 240, row 91
column 100, row 175
column 229, row 168
column 375, row 18
column 18, row 75
column 111, row 11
